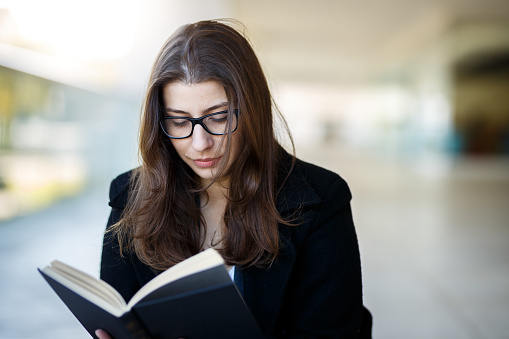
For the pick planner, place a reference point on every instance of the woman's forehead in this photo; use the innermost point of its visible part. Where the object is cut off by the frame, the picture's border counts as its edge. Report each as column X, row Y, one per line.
column 196, row 98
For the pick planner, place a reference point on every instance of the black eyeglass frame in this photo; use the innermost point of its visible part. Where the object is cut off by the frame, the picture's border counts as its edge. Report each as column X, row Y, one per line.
column 199, row 121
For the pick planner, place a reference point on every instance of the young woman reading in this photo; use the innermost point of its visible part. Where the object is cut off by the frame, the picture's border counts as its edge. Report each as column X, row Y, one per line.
column 213, row 174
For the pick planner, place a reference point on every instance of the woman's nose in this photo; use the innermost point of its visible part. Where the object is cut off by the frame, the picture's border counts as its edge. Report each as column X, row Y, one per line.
column 201, row 139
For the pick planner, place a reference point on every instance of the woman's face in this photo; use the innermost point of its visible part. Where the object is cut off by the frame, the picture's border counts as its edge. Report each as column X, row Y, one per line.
column 202, row 151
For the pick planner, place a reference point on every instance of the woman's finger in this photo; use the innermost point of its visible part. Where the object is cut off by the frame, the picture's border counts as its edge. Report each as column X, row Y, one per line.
column 102, row 334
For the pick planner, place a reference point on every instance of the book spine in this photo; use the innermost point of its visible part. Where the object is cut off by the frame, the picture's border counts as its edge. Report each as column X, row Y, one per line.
column 134, row 326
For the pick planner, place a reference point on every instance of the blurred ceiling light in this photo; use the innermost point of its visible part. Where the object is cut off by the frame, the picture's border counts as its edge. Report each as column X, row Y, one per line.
column 81, row 29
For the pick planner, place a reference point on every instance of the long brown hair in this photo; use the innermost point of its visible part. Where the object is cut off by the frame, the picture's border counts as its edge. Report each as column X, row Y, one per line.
column 161, row 222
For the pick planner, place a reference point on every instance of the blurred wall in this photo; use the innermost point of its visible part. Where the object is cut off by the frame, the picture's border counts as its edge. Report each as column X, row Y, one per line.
column 393, row 78
column 58, row 140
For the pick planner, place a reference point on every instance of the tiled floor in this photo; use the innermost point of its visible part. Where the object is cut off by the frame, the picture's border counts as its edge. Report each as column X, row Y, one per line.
column 434, row 237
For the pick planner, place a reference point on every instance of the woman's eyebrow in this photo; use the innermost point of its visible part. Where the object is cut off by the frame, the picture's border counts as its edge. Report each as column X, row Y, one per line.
column 222, row 104
column 173, row 110
column 211, row 108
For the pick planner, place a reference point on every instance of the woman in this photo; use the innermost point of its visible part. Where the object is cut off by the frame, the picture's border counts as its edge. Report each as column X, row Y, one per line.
column 214, row 175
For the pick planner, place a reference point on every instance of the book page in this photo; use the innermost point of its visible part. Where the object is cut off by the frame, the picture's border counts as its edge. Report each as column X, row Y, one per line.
column 94, row 290
column 204, row 260
column 97, row 286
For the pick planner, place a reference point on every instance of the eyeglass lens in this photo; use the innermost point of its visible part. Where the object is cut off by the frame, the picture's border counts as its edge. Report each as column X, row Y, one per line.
column 216, row 123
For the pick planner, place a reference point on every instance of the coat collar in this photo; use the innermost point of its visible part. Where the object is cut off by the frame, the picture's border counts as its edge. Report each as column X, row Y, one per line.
column 119, row 190
column 295, row 192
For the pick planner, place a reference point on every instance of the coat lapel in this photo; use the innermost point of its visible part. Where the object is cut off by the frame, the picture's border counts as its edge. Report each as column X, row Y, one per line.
column 264, row 288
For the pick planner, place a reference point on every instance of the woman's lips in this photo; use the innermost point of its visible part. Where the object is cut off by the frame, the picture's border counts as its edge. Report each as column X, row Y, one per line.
column 206, row 162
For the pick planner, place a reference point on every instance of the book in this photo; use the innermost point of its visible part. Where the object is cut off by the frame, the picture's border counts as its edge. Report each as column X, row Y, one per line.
column 196, row 298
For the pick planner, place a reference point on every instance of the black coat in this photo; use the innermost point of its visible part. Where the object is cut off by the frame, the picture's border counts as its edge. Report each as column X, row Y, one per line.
column 313, row 288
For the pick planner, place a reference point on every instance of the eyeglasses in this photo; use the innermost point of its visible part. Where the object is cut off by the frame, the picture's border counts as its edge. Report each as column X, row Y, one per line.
column 215, row 124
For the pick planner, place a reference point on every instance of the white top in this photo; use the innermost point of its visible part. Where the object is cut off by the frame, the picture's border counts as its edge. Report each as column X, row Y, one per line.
column 232, row 273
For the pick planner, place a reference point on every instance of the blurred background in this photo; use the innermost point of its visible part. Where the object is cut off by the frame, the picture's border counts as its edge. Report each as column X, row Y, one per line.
column 407, row 100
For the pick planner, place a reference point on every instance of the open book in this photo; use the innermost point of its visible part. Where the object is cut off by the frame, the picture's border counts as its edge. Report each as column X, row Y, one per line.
column 194, row 299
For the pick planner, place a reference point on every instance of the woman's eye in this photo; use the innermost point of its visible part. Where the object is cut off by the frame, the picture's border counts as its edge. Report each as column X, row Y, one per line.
column 179, row 122
column 218, row 119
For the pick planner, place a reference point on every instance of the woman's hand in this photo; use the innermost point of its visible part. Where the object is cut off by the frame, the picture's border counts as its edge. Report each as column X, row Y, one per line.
column 102, row 334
